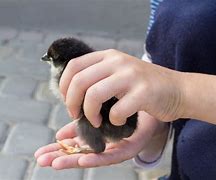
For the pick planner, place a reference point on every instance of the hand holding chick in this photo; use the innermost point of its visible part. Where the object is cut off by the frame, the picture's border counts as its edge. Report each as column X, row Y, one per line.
column 58, row 55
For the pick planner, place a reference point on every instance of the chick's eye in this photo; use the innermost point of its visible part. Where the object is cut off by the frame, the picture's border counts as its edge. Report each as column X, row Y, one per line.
column 51, row 59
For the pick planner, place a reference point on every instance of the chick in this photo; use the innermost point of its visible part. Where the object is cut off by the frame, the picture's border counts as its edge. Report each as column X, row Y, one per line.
column 58, row 55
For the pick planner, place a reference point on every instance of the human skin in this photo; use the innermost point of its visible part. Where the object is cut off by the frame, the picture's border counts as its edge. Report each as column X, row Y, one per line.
column 96, row 77
column 149, row 138
column 163, row 93
column 158, row 92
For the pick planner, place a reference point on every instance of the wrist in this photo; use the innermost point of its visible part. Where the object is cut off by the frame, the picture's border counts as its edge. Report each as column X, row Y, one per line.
column 180, row 106
column 199, row 96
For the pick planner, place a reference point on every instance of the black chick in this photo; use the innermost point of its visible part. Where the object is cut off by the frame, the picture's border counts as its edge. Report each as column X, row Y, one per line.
column 58, row 55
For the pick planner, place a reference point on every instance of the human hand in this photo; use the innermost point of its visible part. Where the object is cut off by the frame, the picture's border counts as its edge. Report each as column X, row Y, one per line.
column 96, row 77
column 114, row 153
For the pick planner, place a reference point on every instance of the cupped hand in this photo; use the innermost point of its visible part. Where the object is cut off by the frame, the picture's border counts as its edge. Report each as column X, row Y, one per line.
column 140, row 86
column 114, row 153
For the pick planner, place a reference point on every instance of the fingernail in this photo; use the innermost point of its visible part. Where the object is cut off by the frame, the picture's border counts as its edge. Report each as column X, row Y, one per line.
column 118, row 122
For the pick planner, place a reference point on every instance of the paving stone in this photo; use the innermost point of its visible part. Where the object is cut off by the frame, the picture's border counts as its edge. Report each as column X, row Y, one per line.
column 44, row 93
column 20, row 87
column 99, row 43
column 15, row 110
column 23, row 52
column 6, row 52
column 26, row 138
column 30, row 52
column 59, row 117
column 3, row 131
column 111, row 172
column 132, row 47
column 12, row 168
column 2, row 78
column 13, row 67
column 33, row 36
column 7, row 34
column 50, row 174
column 27, row 46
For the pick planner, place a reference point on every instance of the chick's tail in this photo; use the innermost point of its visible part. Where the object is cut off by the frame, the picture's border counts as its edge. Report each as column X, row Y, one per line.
column 91, row 135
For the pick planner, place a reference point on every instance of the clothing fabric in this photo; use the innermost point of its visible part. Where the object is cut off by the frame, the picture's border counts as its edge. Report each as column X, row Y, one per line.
column 153, row 5
column 142, row 164
column 183, row 38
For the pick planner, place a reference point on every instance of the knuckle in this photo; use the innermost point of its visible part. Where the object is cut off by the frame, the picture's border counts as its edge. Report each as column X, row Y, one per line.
column 131, row 72
column 116, row 57
column 74, row 64
column 71, row 64
column 112, row 51
column 78, row 80
column 146, row 87
column 92, row 94
column 119, row 57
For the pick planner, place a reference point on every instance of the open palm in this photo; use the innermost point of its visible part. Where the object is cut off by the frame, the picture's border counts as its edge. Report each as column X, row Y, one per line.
column 114, row 153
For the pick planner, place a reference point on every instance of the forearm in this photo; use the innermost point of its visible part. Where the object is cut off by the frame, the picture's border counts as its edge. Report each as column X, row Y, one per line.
column 199, row 97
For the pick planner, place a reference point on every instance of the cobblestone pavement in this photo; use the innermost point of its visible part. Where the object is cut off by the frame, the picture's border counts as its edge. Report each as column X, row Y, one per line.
column 30, row 115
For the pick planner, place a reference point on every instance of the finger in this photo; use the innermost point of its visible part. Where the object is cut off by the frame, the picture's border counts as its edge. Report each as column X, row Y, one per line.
column 101, row 92
column 46, row 149
column 66, row 162
column 76, row 65
column 81, row 82
column 111, row 156
column 124, row 108
column 68, row 131
column 47, row 159
column 53, row 147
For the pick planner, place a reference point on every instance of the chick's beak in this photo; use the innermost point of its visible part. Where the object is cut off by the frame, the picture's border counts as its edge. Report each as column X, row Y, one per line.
column 45, row 58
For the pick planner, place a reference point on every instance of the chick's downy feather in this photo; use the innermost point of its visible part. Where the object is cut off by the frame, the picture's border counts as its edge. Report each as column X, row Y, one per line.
column 58, row 55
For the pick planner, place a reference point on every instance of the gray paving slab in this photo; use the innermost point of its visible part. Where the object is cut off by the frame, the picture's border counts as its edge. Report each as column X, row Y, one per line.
column 3, row 131
column 112, row 172
column 13, row 67
column 6, row 52
column 44, row 93
column 51, row 174
column 31, row 36
column 26, row 138
column 7, row 34
column 2, row 78
column 59, row 117
column 12, row 168
column 29, row 52
column 19, row 87
column 15, row 110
